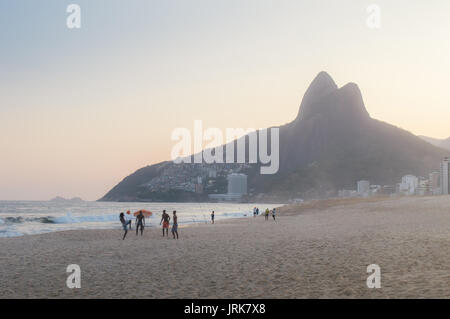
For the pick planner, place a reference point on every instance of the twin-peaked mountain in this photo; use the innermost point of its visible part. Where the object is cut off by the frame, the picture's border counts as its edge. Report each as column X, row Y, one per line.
column 331, row 144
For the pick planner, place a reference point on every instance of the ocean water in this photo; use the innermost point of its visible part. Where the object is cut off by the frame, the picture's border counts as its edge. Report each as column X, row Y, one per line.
column 19, row 218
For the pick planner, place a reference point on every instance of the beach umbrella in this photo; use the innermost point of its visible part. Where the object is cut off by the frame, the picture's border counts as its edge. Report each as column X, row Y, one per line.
column 146, row 213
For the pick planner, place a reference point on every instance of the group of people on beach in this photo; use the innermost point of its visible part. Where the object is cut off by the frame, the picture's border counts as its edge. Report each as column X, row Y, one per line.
column 140, row 224
column 266, row 213
column 165, row 221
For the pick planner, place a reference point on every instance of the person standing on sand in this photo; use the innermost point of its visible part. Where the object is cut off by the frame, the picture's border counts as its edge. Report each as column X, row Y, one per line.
column 257, row 211
column 140, row 222
column 266, row 214
column 273, row 213
column 212, row 217
column 165, row 218
column 254, row 211
column 124, row 224
column 175, row 224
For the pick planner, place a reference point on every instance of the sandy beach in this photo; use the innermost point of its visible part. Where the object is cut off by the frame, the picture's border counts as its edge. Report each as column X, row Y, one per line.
column 313, row 250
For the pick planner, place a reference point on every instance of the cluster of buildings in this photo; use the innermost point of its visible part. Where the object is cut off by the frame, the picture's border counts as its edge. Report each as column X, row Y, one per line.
column 171, row 177
column 225, row 182
column 201, row 178
column 437, row 183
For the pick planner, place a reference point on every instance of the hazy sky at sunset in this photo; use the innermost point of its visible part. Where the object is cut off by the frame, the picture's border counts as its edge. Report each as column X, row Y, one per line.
column 82, row 108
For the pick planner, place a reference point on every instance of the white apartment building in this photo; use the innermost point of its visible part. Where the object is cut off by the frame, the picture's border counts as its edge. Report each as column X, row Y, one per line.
column 409, row 184
column 445, row 176
column 363, row 188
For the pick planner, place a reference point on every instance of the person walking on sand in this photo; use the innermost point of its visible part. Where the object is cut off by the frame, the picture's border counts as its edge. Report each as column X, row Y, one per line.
column 266, row 214
column 273, row 213
column 125, row 224
column 140, row 222
column 175, row 224
column 257, row 211
column 254, row 211
column 212, row 217
column 165, row 218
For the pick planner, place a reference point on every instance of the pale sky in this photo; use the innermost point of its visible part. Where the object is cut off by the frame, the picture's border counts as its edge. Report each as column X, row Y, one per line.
column 82, row 108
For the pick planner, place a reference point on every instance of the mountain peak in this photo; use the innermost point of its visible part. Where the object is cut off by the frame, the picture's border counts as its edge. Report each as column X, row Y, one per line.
column 351, row 101
column 322, row 85
column 323, row 77
column 324, row 96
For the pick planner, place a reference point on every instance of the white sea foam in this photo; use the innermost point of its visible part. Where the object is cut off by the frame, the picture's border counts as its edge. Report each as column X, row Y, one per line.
column 9, row 231
column 70, row 219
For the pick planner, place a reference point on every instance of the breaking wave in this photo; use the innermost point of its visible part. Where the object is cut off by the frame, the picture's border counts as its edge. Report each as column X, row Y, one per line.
column 70, row 219
column 20, row 219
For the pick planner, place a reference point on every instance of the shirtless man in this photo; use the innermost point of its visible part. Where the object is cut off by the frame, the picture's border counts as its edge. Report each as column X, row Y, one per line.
column 165, row 218
column 175, row 224
column 140, row 222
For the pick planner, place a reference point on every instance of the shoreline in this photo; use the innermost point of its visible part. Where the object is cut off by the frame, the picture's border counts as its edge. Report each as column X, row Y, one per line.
column 286, row 210
column 22, row 218
column 119, row 227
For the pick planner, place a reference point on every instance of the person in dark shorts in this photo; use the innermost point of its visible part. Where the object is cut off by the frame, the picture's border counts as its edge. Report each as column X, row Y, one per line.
column 140, row 223
column 175, row 224
column 273, row 213
column 212, row 217
column 125, row 224
column 165, row 218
